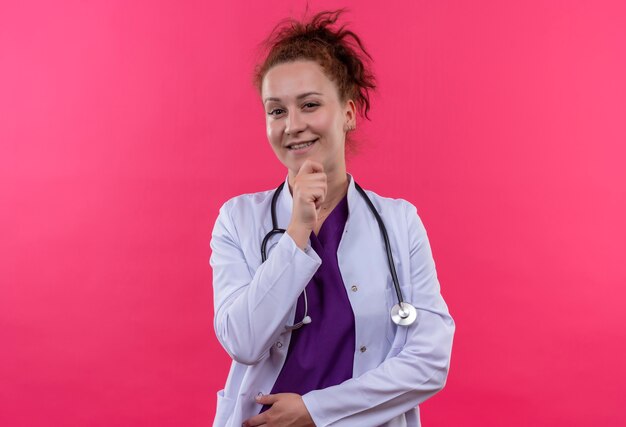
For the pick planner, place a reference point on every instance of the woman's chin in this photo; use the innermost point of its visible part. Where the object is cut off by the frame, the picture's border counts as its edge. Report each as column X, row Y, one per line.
column 296, row 164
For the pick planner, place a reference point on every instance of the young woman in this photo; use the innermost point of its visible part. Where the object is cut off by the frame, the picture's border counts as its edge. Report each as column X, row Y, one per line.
column 326, row 295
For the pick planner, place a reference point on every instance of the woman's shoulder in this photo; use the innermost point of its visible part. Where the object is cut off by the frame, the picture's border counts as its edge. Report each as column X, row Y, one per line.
column 243, row 209
column 390, row 204
column 248, row 200
column 400, row 215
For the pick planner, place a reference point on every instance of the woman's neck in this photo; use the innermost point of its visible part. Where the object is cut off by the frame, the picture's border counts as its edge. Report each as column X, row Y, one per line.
column 337, row 189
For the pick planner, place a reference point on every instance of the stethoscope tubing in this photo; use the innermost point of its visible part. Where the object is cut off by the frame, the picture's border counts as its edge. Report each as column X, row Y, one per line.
column 275, row 229
column 383, row 229
column 407, row 311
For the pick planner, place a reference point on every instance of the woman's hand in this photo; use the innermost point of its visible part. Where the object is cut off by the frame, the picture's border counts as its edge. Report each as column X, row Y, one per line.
column 287, row 410
column 309, row 191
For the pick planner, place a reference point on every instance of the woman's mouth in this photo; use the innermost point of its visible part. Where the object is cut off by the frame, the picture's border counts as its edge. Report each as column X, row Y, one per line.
column 302, row 146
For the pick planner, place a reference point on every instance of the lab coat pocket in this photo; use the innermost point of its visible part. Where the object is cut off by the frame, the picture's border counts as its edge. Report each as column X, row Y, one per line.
column 225, row 407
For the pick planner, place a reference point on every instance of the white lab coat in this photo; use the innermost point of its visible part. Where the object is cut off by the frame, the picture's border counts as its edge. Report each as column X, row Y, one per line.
column 395, row 368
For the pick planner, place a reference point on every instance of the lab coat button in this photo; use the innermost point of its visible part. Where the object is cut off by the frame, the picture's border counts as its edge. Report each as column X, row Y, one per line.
column 279, row 344
column 363, row 349
column 354, row 288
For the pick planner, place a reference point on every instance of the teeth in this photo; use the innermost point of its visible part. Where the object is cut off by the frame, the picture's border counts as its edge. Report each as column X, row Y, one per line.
column 303, row 145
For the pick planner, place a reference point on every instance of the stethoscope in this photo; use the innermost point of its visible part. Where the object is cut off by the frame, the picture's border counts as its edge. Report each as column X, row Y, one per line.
column 402, row 313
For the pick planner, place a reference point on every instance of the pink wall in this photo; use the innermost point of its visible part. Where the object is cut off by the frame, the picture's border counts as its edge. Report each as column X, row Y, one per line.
column 124, row 126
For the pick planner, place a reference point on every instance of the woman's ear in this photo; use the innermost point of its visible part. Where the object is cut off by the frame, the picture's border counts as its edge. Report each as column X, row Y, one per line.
column 350, row 116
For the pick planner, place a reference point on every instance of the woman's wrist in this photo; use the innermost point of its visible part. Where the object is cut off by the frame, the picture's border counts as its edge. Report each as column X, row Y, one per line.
column 299, row 234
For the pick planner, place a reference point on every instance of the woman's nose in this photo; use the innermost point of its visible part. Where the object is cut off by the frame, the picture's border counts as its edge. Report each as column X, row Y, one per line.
column 295, row 123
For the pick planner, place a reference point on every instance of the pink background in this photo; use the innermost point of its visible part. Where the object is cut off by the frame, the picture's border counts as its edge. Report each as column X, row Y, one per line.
column 125, row 125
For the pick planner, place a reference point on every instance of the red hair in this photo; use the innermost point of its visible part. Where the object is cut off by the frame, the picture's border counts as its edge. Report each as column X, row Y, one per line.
column 339, row 52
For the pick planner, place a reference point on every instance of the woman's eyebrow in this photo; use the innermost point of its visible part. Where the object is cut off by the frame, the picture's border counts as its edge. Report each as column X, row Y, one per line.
column 302, row 95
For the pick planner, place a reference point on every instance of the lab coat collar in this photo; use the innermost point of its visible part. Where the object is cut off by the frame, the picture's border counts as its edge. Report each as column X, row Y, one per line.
column 286, row 199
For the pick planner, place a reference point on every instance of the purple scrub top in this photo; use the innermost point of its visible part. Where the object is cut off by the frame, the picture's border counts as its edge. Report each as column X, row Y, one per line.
column 321, row 354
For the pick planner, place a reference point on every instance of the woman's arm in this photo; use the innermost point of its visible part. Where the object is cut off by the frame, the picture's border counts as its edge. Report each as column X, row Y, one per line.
column 251, row 311
column 416, row 373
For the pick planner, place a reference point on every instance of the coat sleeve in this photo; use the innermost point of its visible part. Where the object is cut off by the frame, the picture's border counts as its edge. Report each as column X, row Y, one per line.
column 251, row 310
column 416, row 373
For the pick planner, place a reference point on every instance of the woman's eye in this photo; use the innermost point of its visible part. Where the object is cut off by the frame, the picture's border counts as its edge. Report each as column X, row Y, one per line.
column 275, row 112
column 278, row 111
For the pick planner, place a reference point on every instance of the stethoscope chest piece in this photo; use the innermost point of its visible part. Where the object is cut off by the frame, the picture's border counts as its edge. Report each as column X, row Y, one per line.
column 403, row 314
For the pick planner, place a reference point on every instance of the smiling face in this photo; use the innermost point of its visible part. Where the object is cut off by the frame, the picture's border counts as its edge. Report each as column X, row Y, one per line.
column 302, row 105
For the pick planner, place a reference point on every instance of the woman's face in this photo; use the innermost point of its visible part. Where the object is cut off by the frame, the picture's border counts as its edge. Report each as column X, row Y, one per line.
column 302, row 106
